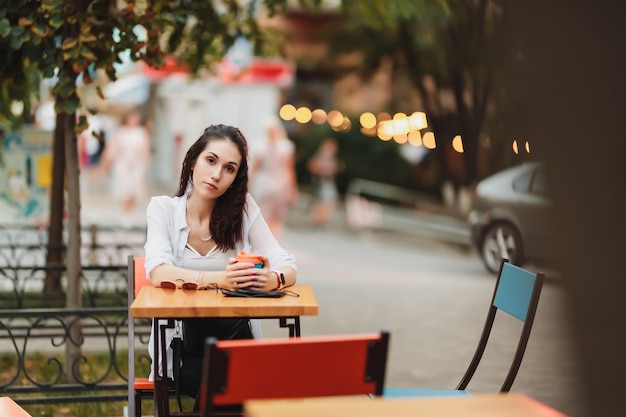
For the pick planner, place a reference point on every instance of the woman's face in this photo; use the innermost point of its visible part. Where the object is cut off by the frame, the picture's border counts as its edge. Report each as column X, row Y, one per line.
column 216, row 168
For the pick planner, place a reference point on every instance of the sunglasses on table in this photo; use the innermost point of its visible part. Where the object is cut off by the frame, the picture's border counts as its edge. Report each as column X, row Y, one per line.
column 190, row 286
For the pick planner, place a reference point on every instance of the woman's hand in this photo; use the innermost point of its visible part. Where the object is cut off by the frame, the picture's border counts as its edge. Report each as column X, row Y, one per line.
column 245, row 275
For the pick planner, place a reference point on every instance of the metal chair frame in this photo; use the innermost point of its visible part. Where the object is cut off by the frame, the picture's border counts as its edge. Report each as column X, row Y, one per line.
column 516, row 293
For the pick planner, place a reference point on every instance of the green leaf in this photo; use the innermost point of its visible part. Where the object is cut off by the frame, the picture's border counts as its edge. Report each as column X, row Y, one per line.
column 67, row 106
column 66, row 90
column 85, row 28
column 39, row 29
column 16, row 42
column 26, row 21
column 69, row 43
column 87, row 37
column 51, row 5
column 57, row 21
column 88, row 54
column 82, row 123
column 17, row 30
column 69, row 55
column 5, row 27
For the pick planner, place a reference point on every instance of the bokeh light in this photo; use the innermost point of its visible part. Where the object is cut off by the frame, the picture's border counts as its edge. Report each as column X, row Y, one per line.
column 515, row 148
column 417, row 121
column 368, row 131
column 428, row 139
column 303, row 115
column 387, row 128
column 415, row 138
column 318, row 116
column 287, row 112
column 382, row 135
column 346, row 125
column 382, row 116
column 400, row 138
column 335, row 118
column 399, row 127
column 368, row 120
column 457, row 144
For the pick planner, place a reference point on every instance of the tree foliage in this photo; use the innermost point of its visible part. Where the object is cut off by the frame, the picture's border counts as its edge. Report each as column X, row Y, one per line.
column 436, row 45
column 71, row 40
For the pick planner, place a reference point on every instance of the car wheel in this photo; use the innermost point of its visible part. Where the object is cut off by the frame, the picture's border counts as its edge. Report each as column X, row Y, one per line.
column 502, row 240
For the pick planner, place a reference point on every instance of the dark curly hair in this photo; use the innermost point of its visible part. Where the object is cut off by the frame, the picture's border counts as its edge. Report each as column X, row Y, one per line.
column 226, row 224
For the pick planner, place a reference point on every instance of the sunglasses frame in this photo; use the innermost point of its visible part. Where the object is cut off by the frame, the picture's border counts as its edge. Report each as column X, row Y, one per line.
column 172, row 285
column 187, row 286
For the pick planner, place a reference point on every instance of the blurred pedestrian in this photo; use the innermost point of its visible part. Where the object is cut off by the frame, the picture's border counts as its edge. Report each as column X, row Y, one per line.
column 324, row 166
column 91, row 141
column 127, row 155
column 273, row 175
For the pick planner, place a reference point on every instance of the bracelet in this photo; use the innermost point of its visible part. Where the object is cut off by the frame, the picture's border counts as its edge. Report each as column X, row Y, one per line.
column 277, row 279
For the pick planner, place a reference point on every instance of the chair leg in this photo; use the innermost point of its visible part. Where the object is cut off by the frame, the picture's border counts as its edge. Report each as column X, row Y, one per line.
column 138, row 398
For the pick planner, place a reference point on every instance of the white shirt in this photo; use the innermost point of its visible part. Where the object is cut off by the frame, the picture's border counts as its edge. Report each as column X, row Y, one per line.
column 167, row 233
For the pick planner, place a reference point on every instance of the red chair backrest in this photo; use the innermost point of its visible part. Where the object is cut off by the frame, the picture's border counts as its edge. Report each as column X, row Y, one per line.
column 139, row 274
column 238, row 370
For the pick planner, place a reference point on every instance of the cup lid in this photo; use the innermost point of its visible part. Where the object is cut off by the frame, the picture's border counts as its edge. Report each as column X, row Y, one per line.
column 249, row 257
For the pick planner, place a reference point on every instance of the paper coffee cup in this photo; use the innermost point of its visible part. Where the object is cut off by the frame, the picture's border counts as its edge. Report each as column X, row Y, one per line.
column 252, row 258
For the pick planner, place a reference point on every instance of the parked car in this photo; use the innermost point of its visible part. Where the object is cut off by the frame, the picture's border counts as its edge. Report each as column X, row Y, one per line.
column 510, row 217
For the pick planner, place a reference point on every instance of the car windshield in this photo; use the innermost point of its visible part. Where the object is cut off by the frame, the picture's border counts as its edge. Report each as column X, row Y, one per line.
column 532, row 181
column 539, row 185
column 522, row 181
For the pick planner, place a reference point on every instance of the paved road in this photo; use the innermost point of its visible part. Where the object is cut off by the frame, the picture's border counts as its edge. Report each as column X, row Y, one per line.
column 430, row 291
column 433, row 298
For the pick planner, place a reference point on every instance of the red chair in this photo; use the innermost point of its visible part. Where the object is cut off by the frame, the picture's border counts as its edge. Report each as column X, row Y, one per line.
column 238, row 370
column 138, row 388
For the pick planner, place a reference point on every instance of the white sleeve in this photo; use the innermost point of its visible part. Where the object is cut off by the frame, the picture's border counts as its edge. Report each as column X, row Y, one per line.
column 158, row 247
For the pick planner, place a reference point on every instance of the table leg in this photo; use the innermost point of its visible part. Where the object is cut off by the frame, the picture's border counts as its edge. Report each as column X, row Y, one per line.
column 294, row 328
column 155, row 365
column 161, row 388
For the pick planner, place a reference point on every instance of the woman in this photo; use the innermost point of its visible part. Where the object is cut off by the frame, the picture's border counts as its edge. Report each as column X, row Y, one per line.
column 195, row 236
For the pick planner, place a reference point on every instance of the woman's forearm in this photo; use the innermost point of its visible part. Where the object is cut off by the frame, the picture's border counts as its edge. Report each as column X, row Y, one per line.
column 165, row 272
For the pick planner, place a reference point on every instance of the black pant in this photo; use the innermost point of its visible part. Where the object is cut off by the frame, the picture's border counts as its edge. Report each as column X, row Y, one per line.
column 195, row 332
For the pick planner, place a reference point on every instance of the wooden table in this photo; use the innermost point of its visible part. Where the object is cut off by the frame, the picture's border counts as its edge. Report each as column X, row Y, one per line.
column 159, row 303
column 9, row 408
column 480, row 405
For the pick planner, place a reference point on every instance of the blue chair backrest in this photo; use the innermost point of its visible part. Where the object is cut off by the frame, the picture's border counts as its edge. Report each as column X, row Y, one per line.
column 515, row 290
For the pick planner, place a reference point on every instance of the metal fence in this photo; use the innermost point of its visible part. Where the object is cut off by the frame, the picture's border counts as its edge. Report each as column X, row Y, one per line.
column 32, row 350
column 34, row 340
column 26, row 246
